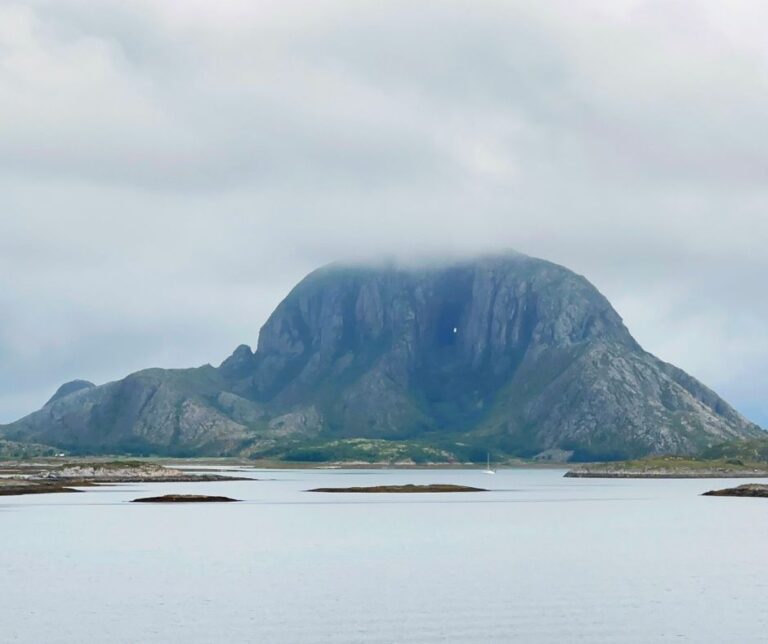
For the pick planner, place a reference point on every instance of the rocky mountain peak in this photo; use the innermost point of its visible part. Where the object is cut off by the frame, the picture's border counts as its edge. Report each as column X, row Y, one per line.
column 70, row 388
column 239, row 364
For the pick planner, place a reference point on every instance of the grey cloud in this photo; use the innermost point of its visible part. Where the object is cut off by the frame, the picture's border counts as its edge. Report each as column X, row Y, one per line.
column 169, row 170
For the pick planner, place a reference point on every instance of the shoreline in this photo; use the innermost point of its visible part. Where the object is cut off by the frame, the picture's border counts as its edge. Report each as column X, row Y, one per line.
column 232, row 464
column 666, row 475
column 34, row 479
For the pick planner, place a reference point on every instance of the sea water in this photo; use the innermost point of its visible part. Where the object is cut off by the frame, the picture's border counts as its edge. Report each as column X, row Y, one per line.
column 538, row 558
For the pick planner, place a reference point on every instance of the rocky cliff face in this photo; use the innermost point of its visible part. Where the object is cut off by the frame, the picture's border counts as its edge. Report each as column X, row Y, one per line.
column 506, row 352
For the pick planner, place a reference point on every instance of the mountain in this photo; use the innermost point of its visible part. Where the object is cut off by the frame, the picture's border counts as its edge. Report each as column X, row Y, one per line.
column 504, row 353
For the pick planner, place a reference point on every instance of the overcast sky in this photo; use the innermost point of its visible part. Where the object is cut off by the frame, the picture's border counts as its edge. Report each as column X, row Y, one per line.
column 170, row 168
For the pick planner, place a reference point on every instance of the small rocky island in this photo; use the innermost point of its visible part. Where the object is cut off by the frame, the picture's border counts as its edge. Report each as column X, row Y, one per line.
column 127, row 472
column 750, row 489
column 671, row 467
column 18, row 487
column 30, row 479
column 186, row 498
column 402, row 489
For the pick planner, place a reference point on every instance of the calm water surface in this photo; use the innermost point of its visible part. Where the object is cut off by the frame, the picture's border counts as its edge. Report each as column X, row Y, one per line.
column 541, row 558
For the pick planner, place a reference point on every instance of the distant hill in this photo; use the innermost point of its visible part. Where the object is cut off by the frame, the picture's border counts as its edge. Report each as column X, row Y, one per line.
column 507, row 353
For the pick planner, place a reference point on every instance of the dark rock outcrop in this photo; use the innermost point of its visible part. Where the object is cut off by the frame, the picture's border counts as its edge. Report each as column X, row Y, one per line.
column 185, row 498
column 18, row 487
column 401, row 489
column 507, row 353
column 749, row 490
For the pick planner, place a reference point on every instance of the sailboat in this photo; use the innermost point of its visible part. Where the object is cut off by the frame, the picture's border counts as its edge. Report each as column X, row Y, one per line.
column 488, row 469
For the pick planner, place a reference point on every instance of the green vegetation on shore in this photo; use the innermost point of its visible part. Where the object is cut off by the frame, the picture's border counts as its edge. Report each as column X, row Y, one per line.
column 747, row 451
column 368, row 451
column 672, row 467
column 380, row 451
column 737, row 458
column 11, row 450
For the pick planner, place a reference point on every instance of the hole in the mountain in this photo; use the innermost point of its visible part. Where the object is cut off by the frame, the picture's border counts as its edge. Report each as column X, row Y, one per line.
column 448, row 324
